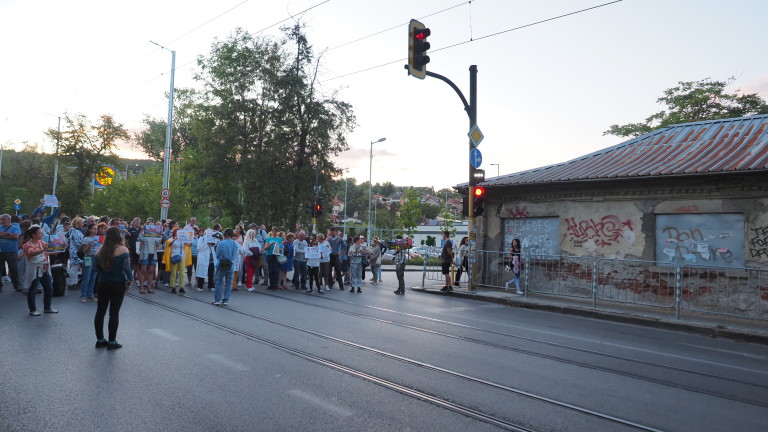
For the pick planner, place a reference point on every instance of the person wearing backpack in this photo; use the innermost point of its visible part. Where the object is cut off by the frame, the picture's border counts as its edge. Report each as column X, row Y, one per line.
column 227, row 251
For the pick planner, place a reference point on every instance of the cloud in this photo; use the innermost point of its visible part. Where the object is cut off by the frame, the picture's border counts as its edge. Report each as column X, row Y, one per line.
column 759, row 85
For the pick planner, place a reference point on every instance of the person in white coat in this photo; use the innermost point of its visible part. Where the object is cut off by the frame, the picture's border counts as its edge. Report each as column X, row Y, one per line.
column 206, row 260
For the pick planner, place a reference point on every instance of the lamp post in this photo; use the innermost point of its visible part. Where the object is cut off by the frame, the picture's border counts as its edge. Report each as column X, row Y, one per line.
column 345, row 207
column 169, row 126
column 370, row 184
column 497, row 169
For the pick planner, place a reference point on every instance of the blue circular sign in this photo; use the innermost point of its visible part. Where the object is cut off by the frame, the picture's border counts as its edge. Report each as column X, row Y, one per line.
column 475, row 158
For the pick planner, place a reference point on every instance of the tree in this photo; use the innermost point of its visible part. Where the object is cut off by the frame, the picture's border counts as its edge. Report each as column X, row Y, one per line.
column 88, row 146
column 693, row 101
column 410, row 212
column 429, row 211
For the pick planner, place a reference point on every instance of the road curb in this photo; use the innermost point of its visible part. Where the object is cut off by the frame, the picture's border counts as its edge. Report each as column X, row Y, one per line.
column 716, row 331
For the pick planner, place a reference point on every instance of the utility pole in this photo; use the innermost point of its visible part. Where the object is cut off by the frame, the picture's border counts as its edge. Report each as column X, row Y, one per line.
column 56, row 161
column 168, row 129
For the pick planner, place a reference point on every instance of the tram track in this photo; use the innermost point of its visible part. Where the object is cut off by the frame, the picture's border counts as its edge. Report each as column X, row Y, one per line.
column 436, row 400
column 559, row 359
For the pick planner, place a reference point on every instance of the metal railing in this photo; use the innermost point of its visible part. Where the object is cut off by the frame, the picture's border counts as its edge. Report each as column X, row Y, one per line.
column 738, row 292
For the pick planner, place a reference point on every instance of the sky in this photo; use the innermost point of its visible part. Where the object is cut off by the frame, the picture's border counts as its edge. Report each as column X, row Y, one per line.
column 546, row 92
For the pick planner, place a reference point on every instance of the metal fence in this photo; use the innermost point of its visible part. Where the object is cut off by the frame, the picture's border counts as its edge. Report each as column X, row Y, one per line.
column 738, row 292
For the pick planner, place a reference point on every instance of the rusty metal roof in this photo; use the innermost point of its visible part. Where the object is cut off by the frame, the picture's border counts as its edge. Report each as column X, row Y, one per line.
column 707, row 147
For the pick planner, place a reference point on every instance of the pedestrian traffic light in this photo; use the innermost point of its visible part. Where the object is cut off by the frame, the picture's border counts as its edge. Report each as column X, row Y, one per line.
column 417, row 49
column 477, row 176
column 479, row 197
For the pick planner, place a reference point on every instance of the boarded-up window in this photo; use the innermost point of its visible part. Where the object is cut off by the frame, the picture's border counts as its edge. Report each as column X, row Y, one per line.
column 539, row 236
column 701, row 239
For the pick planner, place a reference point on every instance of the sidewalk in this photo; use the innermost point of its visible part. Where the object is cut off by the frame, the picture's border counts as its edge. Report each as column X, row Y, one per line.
column 742, row 330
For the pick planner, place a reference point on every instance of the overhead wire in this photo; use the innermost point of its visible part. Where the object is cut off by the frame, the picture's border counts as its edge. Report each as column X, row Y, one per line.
column 479, row 38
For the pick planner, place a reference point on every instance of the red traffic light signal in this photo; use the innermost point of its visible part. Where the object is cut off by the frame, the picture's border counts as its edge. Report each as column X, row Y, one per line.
column 417, row 49
column 478, row 195
column 479, row 192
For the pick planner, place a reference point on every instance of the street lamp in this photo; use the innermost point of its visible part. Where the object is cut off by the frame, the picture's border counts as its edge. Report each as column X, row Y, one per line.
column 169, row 126
column 370, row 185
column 497, row 169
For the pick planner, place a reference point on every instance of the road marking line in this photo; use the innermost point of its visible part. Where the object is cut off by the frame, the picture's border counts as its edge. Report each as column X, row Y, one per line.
column 228, row 363
column 753, row 356
column 316, row 400
column 164, row 334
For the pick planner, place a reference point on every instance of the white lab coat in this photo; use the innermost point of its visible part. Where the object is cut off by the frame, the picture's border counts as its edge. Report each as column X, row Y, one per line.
column 204, row 252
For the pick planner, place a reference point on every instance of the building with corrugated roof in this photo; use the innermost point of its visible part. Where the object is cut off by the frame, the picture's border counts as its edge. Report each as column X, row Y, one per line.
column 692, row 193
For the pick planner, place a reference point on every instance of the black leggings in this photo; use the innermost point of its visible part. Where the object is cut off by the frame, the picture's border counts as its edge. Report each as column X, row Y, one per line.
column 111, row 296
column 314, row 275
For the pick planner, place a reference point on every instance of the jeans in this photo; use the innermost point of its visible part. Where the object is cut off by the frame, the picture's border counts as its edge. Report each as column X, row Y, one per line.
column 223, row 281
column 300, row 273
column 400, row 271
column 111, row 296
column 45, row 280
column 463, row 267
column 356, row 273
column 378, row 272
column 89, row 280
column 12, row 258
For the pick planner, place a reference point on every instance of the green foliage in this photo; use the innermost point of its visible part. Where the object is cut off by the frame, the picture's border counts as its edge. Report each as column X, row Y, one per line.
column 693, row 101
column 429, row 211
column 410, row 213
column 431, row 241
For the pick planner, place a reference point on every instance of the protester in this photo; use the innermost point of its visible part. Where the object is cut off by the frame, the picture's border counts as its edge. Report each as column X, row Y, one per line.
column 206, row 259
column 286, row 266
column 75, row 237
column 37, row 270
column 300, row 261
column 226, row 254
column 90, row 247
column 356, row 254
column 313, row 269
column 253, row 248
column 325, row 261
column 115, row 277
column 273, row 267
column 176, row 257
column 149, row 240
column 9, row 247
column 375, row 259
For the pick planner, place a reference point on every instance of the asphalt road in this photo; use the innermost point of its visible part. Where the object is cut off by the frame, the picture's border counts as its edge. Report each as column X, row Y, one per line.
column 286, row 361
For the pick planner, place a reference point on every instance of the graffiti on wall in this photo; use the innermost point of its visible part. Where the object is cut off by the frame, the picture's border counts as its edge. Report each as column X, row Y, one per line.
column 607, row 231
column 758, row 243
column 537, row 235
column 703, row 239
column 518, row 212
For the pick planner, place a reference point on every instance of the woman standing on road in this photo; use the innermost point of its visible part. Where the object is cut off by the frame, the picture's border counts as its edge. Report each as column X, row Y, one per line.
column 115, row 276
column 515, row 257
column 38, row 270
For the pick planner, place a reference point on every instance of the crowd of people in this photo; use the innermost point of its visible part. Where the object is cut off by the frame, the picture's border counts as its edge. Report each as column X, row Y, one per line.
column 104, row 257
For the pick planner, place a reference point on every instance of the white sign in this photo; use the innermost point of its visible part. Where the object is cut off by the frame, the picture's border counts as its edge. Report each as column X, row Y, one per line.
column 165, row 193
column 312, row 253
column 185, row 236
column 50, row 201
column 165, row 203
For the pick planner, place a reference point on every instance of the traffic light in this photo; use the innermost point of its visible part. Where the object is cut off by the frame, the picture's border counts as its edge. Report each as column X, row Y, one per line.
column 477, row 176
column 318, row 210
column 479, row 197
column 417, row 49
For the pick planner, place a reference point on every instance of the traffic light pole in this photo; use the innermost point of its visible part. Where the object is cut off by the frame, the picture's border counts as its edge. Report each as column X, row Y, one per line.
column 471, row 109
